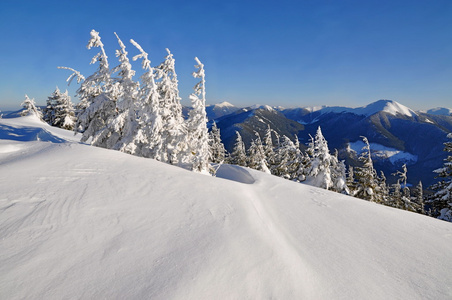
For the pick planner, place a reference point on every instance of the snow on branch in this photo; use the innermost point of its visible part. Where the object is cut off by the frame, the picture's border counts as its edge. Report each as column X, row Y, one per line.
column 75, row 73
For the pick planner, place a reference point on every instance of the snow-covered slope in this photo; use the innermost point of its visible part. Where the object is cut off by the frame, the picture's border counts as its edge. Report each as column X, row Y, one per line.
column 78, row 222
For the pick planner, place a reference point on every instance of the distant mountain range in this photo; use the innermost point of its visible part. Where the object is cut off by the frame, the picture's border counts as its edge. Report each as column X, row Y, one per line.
column 397, row 133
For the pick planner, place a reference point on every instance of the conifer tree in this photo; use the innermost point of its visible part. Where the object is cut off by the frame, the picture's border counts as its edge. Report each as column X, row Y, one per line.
column 383, row 190
column 148, row 139
column 97, row 106
column 338, row 175
column 302, row 161
column 419, row 198
column 173, row 131
column 351, row 184
column 238, row 155
column 30, row 108
column 404, row 198
column 217, row 150
column 123, row 124
column 288, row 160
column 269, row 151
column 319, row 172
column 401, row 196
column 256, row 155
column 441, row 201
column 59, row 111
column 396, row 195
column 366, row 176
column 198, row 135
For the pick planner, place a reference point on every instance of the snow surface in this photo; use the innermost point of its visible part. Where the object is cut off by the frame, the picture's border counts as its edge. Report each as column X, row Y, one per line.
column 382, row 152
column 389, row 106
column 79, row 222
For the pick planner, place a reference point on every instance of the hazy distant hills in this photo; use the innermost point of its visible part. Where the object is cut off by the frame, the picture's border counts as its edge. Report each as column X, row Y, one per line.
column 440, row 111
column 397, row 133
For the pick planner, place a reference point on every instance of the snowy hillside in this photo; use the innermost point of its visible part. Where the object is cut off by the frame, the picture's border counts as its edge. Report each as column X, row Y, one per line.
column 87, row 223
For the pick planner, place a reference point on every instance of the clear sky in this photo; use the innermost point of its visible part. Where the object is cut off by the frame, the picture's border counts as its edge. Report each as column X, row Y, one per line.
column 289, row 53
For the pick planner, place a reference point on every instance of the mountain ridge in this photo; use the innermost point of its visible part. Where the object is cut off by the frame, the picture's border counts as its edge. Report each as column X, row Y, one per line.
column 410, row 137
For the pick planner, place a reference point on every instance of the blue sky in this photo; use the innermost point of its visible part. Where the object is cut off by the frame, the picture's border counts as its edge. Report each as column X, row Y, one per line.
column 289, row 53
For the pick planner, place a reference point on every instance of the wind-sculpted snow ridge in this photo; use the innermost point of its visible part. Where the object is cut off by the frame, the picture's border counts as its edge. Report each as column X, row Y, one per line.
column 87, row 223
column 27, row 134
column 235, row 173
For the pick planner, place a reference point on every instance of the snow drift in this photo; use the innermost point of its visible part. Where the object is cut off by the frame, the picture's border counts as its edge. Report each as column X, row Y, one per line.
column 83, row 222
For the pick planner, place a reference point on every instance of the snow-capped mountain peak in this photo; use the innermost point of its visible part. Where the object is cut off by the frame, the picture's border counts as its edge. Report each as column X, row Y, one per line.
column 389, row 106
column 224, row 104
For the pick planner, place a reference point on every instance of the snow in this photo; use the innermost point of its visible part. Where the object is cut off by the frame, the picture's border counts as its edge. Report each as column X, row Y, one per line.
column 383, row 152
column 82, row 222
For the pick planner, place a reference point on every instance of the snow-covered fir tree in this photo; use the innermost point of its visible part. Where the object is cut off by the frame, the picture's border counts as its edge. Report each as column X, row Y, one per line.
column 124, row 124
column 287, row 160
column 269, row 148
column 418, row 198
column 400, row 197
column 366, row 176
column 174, row 140
column 256, row 155
column 319, row 171
column 383, row 190
column 148, row 139
column 97, row 106
column 441, row 201
column 49, row 111
column 350, row 180
column 59, row 111
column 217, row 149
column 303, row 161
column 238, row 155
column 338, row 175
column 30, row 108
column 198, row 135
column 396, row 195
